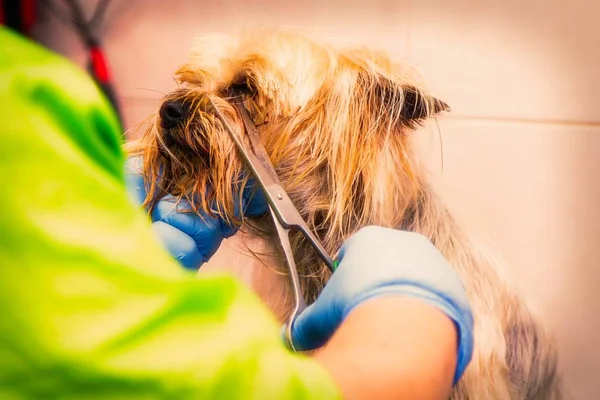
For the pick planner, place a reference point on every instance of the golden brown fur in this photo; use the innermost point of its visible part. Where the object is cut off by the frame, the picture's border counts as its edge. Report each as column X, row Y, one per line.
column 337, row 125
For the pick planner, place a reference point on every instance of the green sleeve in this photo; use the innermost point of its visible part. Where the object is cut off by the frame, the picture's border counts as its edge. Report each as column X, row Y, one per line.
column 91, row 306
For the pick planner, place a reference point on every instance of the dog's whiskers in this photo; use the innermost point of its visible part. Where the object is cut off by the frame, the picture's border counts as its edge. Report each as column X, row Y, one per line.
column 151, row 90
column 439, row 131
column 164, row 147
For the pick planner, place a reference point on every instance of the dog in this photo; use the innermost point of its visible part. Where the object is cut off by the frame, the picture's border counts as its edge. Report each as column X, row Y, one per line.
column 338, row 124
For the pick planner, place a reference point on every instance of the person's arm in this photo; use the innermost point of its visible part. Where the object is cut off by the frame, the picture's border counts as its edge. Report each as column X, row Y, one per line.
column 393, row 319
column 91, row 304
column 392, row 348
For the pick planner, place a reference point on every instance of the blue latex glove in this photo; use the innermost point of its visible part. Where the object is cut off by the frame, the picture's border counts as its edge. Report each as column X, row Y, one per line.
column 378, row 262
column 188, row 238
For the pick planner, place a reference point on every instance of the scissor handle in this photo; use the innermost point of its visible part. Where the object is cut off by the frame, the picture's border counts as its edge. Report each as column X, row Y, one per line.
column 299, row 303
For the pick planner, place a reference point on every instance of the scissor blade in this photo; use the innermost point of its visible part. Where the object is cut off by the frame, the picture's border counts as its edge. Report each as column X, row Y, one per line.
column 258, row 149
column 260, row 165
column 264, row 173
column 264, row 177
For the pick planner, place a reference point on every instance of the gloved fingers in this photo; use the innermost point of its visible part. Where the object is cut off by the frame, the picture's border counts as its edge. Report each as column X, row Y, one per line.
column 315, row 326
column 179, row 214
column 393, row 257
column 254, row 200
column 253, row 203
column 174, row 211
column 134, row 180
column 206, row 231
column 180, row 245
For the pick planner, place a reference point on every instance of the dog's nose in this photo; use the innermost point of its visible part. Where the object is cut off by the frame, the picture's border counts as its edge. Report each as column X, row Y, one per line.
column 171, row 114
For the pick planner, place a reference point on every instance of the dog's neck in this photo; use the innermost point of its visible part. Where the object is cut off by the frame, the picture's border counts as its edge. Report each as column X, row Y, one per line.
column 258, row 271
column 248, row 256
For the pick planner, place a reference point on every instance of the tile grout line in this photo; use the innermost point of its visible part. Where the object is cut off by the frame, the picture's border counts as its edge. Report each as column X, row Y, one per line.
column 528, row 121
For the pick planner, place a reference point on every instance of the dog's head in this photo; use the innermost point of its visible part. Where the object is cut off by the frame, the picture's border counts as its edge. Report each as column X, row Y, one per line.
column 333, row 121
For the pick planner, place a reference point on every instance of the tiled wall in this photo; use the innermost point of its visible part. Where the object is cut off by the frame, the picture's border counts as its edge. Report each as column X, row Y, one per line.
column 521, row 150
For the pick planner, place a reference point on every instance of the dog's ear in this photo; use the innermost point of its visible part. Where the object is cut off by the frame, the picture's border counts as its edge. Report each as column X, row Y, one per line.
column 418, row 106
column 410, row 104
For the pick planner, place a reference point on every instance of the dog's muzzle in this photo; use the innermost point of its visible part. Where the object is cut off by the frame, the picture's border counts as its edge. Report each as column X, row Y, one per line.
column 171, row 113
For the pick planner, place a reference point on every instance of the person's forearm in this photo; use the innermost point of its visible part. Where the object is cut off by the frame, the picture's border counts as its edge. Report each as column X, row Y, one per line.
column 393, row 347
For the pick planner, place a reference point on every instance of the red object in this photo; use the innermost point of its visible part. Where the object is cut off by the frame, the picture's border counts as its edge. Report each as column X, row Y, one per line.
column 28, row 14
column 2, row 22
column 99, row 65
column 19, row 15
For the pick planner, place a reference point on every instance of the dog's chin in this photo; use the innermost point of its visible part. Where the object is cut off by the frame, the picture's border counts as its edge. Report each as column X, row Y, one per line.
column 182, row 153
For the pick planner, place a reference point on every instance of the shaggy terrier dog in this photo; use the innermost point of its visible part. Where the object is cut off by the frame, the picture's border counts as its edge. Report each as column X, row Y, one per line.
column 338, row 125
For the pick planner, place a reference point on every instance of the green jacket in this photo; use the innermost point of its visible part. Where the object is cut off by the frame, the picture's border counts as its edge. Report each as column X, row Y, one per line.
column 91, row 306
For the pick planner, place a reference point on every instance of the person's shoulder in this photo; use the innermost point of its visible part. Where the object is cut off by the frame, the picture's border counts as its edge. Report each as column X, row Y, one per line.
column 27, row 66
column 23, row 59
column 37, row 83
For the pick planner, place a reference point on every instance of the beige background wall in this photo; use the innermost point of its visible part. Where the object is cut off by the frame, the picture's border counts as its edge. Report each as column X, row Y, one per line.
column 521, row 150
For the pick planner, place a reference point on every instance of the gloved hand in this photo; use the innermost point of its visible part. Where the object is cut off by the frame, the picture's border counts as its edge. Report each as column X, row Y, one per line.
column 378, row 262
column 188, row 238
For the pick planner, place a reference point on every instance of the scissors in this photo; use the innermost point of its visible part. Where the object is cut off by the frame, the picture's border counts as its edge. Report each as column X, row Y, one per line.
column 283, row 211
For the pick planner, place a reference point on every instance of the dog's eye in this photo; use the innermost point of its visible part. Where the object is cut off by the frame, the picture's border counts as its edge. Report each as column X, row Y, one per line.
column 240, row 86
